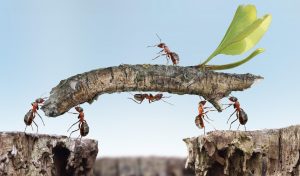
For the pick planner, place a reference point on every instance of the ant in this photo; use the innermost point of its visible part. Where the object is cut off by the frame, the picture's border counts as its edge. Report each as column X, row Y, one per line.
column 240, row 113
column 139, row 98
column 167, row 52
column 200, row 117
column 83, row 126
column 30, row 115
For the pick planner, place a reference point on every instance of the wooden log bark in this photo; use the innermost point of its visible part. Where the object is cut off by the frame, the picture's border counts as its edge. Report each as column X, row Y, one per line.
column 252, row 153
column 24, row 154
column 86, row 87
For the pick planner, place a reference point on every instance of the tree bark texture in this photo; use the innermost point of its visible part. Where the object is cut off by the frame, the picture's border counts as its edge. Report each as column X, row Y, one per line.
column 35, row 154
column 252, row 153
column 86, row 87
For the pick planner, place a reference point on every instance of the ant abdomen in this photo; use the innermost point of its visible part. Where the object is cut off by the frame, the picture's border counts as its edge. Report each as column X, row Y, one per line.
column 84, row 129
column 243, row 117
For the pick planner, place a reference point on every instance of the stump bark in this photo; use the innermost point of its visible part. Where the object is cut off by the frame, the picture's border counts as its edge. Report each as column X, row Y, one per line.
column 35, row 154
column 274, row 152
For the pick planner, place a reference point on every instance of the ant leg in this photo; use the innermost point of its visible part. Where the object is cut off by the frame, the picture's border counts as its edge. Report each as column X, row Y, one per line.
column 167, row 102
column 245, row 127
column 207, row 116
column 158, row 56
column 37, row 127
column 160, row 52
column 227, row 106
column 230, row 116
column 135, row 101
column 238, row 127
column 209, row 123
column 232, row 123
column 73, row 132
column 40, row 118
column 73, row 112
column 73, row 125
column 25, row 128
column 167, row 59
column 208, row 107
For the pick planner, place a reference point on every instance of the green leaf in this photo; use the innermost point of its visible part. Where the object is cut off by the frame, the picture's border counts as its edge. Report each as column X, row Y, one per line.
column 244, row 32
column 235, row 64
column 244, row 16
column 248, row 38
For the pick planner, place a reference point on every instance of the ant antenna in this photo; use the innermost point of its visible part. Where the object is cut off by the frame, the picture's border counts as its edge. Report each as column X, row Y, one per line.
column 43, row 95
column 158, row 38
column 155, row 45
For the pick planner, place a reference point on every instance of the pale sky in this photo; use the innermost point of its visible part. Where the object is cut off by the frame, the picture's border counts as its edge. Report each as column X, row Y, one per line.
column 43, row 42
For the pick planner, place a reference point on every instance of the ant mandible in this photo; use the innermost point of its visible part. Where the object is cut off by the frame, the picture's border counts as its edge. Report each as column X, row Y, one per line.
column 30, row 115
column 139, row 98
column 83, row 126
column 200, row 117
column 240, row 113
column 167, row 52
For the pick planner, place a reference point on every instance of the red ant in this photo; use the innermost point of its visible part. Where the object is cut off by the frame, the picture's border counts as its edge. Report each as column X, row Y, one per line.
column 139, row 98
column 240, row 113
column 200, row 117
column 167, row 52
column 30, row 115
column 83, row 126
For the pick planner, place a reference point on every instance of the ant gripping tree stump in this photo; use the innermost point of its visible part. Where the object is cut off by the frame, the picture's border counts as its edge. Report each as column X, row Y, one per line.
column 266, row 152
column 86, row 87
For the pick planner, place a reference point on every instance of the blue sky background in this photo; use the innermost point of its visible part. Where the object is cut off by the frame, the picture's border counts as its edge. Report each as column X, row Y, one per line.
column 43, row 42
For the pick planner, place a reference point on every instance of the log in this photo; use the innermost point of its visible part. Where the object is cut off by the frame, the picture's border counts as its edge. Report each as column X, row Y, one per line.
column 36, row 154
column 274, row 152
column 86, row 87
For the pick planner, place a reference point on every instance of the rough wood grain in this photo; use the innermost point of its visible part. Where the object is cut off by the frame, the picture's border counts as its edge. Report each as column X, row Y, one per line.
column 86, row 87
column 24, row 154
column 235, row 153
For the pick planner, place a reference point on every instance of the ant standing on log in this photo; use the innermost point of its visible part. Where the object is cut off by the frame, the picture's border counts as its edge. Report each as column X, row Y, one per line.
column 83, row 126
column 30, row 115
column 200, row 117
column 167, row 52
column 240, row 113
column 139, row 98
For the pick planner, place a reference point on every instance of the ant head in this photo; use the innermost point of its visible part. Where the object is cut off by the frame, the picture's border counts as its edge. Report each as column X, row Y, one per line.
column 158, row 96
column 161, row 45
column 40, row 100
column 79, row 109
column 233, row 99
column 202, row 102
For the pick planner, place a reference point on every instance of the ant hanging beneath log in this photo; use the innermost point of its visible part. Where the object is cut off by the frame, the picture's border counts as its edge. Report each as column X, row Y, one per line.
column 139, row 98
column 30, row 115
column 240, row 113
column 166, row 52
column 83, row 126
column 200, row 117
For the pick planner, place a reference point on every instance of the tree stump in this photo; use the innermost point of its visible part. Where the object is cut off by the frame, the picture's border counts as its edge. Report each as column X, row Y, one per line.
column 36, row 154
column 274, row 152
